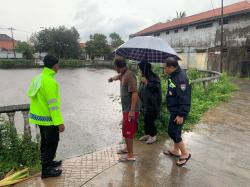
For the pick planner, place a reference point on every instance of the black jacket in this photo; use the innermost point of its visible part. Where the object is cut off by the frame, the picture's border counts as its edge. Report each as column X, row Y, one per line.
column 150, row 95
column 179, row 93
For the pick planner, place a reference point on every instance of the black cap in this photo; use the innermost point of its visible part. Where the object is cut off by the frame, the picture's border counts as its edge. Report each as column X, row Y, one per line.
column 50, row 61
column 171, row 61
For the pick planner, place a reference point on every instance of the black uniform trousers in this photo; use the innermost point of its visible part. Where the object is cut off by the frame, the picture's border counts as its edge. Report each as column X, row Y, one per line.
column 49, row 143
column 149, row 123
column 174, row 130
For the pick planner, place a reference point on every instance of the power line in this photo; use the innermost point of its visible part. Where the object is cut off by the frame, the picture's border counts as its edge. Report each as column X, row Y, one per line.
column 18, row 30
column 22, row 30
column 4, row 29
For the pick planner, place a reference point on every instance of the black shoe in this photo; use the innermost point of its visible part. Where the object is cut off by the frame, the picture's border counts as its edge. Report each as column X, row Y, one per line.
column 55, row 164
column 51, row 172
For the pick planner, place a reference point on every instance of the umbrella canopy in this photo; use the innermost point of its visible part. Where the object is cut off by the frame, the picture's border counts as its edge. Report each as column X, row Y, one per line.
column 146, row 48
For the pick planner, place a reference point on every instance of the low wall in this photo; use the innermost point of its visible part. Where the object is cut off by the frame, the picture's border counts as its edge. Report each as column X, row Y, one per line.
column 236, row 61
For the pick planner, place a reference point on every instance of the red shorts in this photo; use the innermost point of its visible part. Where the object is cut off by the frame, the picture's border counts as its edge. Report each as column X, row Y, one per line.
column 129, row 128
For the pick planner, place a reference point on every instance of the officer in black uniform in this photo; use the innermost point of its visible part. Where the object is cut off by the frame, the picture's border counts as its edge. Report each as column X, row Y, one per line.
column 178, row 104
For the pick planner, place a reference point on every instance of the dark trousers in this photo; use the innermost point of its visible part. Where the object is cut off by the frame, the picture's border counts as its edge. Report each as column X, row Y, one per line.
column 174, row 130
column 49, row 143
column 149, row 124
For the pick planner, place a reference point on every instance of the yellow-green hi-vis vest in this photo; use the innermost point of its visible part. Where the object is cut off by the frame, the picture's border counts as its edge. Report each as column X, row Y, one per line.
column 45, row 100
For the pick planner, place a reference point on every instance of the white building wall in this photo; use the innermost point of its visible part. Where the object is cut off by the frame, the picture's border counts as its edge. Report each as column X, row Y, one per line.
column 6, row 54
column 186, row 43
column 202, row 38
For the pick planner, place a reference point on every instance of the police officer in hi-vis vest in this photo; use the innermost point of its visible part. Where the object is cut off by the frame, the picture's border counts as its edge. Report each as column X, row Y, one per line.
column 45, row 112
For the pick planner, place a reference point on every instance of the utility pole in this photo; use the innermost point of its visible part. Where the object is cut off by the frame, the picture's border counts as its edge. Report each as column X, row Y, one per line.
column 221, row 37
column 13, row 41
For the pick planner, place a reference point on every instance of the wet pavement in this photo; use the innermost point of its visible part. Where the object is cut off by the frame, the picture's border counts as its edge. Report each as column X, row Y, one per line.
column 220, row 152
column 78, row 170
column 220, row 155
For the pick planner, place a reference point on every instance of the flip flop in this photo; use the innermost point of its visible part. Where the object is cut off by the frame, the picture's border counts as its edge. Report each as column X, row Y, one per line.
column 122, row 151
column 169, row 153
column 126, row 159
column 183, row 159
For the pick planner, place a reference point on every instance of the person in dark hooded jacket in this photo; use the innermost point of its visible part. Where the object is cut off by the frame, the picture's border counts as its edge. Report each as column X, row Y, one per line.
column 150, row 96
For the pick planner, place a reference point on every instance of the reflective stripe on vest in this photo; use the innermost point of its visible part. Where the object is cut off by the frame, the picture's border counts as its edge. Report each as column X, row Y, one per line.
column 54, row 108
column 40, row 118
column 171, row 84
column 52, row 101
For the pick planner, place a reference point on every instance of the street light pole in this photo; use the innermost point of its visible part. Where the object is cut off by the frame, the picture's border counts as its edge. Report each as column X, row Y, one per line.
column 221, row 37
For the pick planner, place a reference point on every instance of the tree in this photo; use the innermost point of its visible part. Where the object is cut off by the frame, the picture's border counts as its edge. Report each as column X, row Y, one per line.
column 180, row 14
column 116, row 40
column 60, row 41
column 97, row 46
column 26, row 49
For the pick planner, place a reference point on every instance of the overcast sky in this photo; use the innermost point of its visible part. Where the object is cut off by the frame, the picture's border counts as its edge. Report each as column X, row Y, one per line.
column 94, row 16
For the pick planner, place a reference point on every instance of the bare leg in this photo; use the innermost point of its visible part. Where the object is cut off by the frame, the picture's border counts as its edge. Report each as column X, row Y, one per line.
column 129, row 143
column 126, row 146
column 175, row 149
column 184, row 152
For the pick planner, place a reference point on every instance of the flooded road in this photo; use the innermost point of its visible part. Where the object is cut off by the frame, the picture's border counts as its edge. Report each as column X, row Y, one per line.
column 91, row 116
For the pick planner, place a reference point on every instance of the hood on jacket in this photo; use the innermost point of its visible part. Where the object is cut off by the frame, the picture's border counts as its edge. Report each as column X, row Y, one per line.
column 35, row 86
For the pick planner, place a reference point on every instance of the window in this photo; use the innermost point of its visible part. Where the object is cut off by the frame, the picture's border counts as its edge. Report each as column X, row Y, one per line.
column 157, row 34
column 225, row 21
column 185, row 29
column 204, row 25
column 176, row 31
column 167, row 32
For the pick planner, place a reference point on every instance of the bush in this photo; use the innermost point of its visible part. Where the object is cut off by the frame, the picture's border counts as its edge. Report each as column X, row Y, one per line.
column 16, row 63
column 16, row 152
column 72, row 63
column 202, row 99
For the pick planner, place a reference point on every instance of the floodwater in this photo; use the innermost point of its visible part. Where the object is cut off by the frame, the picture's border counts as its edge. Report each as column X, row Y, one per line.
column 89, row 105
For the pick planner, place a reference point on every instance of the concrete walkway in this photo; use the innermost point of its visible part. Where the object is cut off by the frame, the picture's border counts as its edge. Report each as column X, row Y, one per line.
column 220, row 155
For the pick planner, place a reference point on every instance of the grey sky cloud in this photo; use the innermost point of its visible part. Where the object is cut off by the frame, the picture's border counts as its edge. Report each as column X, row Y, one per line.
column 94, row 16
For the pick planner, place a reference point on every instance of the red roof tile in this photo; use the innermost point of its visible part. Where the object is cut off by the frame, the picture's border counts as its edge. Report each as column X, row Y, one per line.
column 82, row 45
column 211, row 14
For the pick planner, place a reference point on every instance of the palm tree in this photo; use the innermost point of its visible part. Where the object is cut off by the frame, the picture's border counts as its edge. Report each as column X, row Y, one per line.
column 180, row 14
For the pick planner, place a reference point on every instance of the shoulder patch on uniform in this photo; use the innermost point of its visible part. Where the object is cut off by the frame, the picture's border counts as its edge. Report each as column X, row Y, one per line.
column 183, row 87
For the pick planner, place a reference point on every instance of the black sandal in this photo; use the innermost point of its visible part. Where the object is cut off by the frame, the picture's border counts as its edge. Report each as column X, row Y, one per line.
column 169, row 153
column 183, row 159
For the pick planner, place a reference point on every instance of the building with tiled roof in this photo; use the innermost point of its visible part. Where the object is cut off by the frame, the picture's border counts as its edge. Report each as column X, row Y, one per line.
column 6, row 42
column 197, row 37
column 208, row 16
